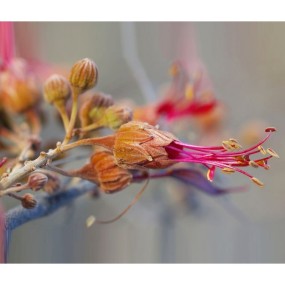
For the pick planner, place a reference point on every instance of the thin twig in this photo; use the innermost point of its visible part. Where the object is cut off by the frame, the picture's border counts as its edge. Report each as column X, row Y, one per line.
column 46, row 205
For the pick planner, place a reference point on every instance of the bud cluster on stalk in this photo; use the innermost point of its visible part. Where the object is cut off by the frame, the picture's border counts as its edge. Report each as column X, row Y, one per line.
column 131, row 149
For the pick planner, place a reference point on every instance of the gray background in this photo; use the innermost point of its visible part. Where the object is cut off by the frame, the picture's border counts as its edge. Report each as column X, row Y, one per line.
column 246, row 64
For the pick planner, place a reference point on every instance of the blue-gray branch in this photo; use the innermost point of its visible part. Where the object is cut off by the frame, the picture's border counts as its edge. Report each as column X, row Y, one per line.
column 46, row 205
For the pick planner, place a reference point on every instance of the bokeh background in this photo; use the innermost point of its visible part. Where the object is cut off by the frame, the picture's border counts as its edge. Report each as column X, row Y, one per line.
column 246, row 64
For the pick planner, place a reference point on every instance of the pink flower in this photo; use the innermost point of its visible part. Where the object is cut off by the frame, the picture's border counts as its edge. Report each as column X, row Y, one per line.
column 138, row 144
column 187, row 95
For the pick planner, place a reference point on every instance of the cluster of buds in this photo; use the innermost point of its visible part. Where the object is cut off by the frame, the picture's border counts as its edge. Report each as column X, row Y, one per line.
column 134, row 145
column 96, row 111
column 99, row 110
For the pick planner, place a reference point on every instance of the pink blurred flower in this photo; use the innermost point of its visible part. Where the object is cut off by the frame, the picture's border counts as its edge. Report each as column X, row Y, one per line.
column 188, row 95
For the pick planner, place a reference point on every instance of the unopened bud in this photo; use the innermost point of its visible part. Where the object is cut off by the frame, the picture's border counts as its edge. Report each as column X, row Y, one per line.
column 115, row 116
column 111, row 177
column 91, row 110
column 28, row 201
column 56, row 88
column 103, row 170
column 37, row 181
column 83, row 74
column 139, row 144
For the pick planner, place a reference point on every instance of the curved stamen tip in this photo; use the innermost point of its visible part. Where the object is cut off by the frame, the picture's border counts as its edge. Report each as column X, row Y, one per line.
column 270, row 129
column 257, row 182
column 273, row 152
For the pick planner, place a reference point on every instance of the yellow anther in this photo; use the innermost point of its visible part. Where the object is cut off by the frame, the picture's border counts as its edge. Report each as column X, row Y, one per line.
column 228, row 170
column 272, row 152
column 253, row 164
column 262, row 150
column 257, row 182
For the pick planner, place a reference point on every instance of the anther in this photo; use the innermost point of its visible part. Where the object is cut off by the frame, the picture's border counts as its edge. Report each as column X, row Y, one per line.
column 257, row 182
column 262, row 150
column 272, row 152
column 228, row 170
column 253, row 164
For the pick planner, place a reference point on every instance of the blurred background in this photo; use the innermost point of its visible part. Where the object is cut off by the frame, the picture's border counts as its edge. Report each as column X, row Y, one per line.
column 246, row 64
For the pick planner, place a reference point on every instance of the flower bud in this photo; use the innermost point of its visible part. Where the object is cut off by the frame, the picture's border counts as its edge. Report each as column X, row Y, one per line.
column 103, row 170
column 91, row 110
column 139, row 144
column 111, row 177
column 37, row 181
column 83, row 74
column 28, row 201
column 56, row 88
column 115, row 116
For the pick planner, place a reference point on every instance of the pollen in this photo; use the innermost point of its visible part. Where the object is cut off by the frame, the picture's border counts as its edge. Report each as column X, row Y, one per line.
column 253, row 164
column 272, row 152
column 228, row 170
column 227, row 145
column 257, row 181
column 231, row 144
column 262, row 150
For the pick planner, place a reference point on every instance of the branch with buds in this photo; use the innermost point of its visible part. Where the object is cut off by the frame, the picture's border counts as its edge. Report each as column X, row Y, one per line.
column 136, row 151
column 134, row 146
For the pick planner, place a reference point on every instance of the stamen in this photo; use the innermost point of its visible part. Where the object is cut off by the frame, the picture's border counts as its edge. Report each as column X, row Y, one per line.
column 253, row 164
column 272, row 152
column 257, row 182
column 262, row 150
column 228, row 170
column 227, row 145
